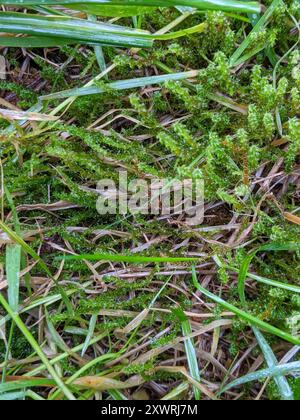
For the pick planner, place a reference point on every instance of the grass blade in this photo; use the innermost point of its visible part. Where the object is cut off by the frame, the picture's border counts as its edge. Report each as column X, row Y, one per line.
column 244, row 315
column 74, row 29
column 31, row 340
column 13, row 396
column 91, row 331
column 85, row 31
column 26, row 383
column 117, row 395
column 223, row 5
column 281, row 382
column 257, row 28
column 272, row 372
column 34, row 42
column 20, row 115
column 177, row 392
column 98, row 50
column 13, row 266
column 247, row 261
column 189, row 349
column 121, row 85
column 127, row 258
column 274, row 283
column 28, row 250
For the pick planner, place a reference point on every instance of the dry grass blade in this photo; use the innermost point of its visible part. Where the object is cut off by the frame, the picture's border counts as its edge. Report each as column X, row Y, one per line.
column 21, row 115
column 103, row 383
column 292, row 218
column 182, row 370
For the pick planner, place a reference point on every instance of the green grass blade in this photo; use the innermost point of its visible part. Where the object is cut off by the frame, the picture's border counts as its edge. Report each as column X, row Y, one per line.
column 285, row 286
column 275, row 371
column 177, row 392
column 189, row 349
column 64, row 356
column 270, row 282
column 74, row 29
column 98, row 50
column 223, row 5
column 13, row 396
column 121, row 85
column 87, row 31
column 247, row 261
column 26, row 383
column 127, row 258
column 245, row 315
column 117, row 395
column 111, row 10
column 31, row 340
column 28, row 250
column 257, row 28
column 16, row 238
column 281, row 382
column 90, row 334
column 13, row 266
column 34, row 42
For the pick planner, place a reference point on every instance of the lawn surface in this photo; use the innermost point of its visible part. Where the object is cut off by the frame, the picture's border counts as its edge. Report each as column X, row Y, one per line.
column 136, row 306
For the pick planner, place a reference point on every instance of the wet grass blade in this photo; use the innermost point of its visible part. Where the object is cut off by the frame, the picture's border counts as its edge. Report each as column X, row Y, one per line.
column 81, row 30
column 245, row 315
column 13, row 266
column 273, row 372
column 223, row 5
column 281, row 382
column 283, row 386
column 189, row 349
column 13, row 396
column 73, row 29
column 121, row 85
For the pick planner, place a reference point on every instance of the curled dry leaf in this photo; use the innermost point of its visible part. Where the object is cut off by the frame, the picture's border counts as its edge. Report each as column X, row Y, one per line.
column 104, row 383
